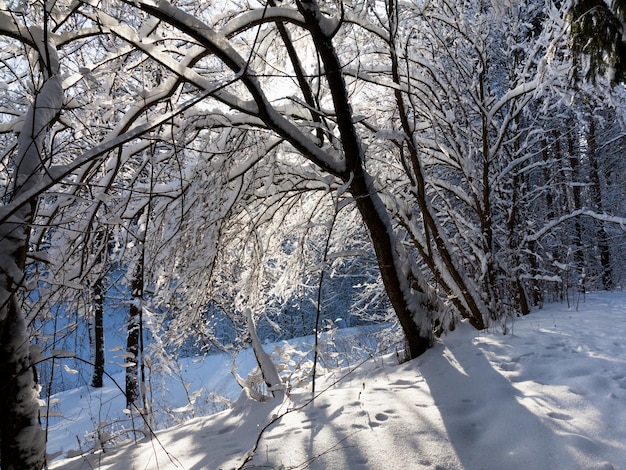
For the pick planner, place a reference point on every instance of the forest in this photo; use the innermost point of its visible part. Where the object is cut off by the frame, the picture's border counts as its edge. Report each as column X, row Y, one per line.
column 215, row 175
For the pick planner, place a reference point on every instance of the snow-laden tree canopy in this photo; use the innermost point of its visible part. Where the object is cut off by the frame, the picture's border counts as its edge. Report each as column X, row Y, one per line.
column 219, row 159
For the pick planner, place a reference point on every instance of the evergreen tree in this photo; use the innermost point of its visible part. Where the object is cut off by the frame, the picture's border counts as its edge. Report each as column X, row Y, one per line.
column 597, row 38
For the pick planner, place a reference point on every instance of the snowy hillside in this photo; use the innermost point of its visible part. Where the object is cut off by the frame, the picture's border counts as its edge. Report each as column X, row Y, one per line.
column 550, row 395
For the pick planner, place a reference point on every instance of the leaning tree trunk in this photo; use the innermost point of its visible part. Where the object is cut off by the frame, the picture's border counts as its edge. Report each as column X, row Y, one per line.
column 411, row 307
column 396, row 285
column 374, row 214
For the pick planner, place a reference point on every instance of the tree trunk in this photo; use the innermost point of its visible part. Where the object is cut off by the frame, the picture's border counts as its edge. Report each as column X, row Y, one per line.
column 576, row 201
column 596, row 193
column 465, row 299
column 375, row 216
column 97, row 311
column 98, row 333
column 418, row 339
column 22, row 439
column 132, row 339
column 371, row 208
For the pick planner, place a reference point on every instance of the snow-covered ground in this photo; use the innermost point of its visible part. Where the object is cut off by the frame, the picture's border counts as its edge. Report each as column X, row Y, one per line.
column 549, row 395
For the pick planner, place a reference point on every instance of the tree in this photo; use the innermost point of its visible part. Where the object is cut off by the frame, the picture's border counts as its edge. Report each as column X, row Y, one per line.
column 217, row 147
column 333, row 139
column 22, row 439
column 97, row 296
column 597, row 38
column 351, row 171
column 472, row 136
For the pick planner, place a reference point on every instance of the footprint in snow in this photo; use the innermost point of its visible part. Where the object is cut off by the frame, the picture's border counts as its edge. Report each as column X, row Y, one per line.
column 508, row 366
column 379, row 418
column 523, row 356
column 358, row 426
column 226, row 429
column 561, row 416
column 403, row 382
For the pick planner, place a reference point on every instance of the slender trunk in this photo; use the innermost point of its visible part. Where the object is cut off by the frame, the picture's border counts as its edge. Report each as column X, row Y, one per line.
column 318, row 305
column 97, row 308
column 605, row 258
column 561, row 202
column 521, row 297
column 547, row 176
column 300, row 74
column 463, row 297
column 576, row 201
column 98, row 333
column 371, row 208
column 536, row 292
column 485, row 211
column 132, row 339
column 135, row 371
column 596, row 193
column 519, row 288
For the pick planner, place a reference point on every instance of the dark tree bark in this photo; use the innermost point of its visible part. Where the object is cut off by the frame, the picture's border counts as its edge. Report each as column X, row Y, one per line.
column 97, row 309
column 98, row 333
column 418, row 341
column 22, row 439
column 21, row 436
column 368, row 203
column 596, row 194
column 521, row 297
column 574, row 162
column 133, row 338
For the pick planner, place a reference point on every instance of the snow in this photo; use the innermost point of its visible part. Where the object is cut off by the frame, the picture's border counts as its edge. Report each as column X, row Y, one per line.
column 247, row 19
column 268, row 368
column 549, row 395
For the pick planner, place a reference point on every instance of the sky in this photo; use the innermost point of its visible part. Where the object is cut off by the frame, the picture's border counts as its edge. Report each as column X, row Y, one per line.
column 550, row 394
